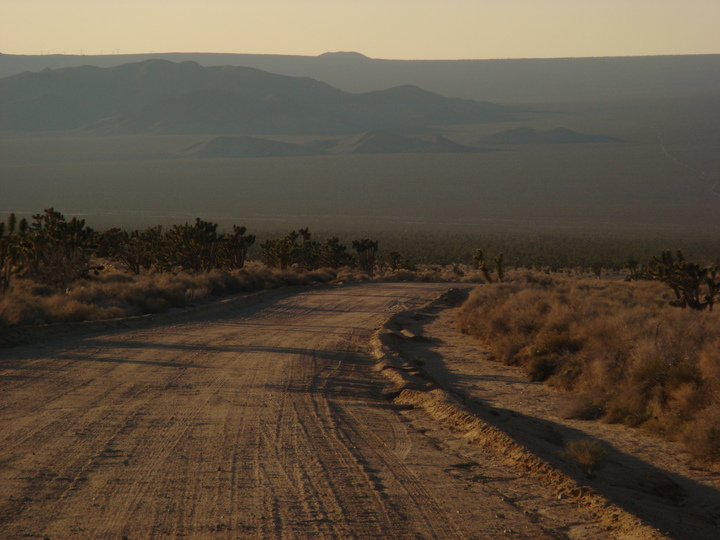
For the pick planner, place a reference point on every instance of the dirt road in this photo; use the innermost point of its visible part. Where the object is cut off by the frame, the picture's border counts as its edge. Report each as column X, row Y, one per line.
column 258, row 421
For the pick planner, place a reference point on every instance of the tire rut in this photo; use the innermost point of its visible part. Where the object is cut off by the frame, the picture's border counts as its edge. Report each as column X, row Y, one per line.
column 259, row 422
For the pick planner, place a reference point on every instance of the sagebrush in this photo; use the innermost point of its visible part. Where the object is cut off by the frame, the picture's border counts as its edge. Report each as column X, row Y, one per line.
column 621, row 347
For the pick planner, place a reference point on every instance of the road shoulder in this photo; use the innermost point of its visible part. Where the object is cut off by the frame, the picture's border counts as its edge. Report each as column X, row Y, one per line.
column 646, row 488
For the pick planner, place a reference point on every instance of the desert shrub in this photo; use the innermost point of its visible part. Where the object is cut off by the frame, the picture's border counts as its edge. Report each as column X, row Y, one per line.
column 588, row 454
column 702, row 437
column 396, row 275
column 352, row 274
column 117, row 294
column 620, row 347
column 541, row 365
column 322, row 275
column 20, row 309
column 580, row 408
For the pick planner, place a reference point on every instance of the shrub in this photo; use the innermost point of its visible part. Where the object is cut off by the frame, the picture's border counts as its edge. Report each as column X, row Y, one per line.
column 580, row 409
column 588, row 454
column 114, row 294
column 619, row 346
column 540, row 365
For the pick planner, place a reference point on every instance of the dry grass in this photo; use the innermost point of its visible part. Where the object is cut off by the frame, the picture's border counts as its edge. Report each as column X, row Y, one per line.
column 589, row 454
column 116, row 294
column 619, row 347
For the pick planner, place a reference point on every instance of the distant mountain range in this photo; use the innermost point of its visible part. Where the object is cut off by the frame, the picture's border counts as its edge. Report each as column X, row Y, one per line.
column 157, row 96
column 508, row 81
column 374, row 142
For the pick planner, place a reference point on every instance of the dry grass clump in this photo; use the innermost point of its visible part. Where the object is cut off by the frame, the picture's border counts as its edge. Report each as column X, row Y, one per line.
column 432, row 273
column 589, row 454
column 116, row 294
column 619, row 347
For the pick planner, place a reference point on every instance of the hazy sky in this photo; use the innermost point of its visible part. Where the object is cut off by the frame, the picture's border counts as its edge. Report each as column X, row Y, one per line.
column 402, row 29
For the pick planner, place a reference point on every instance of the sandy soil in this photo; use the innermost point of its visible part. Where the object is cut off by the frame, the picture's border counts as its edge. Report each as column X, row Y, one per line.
column 267, row 418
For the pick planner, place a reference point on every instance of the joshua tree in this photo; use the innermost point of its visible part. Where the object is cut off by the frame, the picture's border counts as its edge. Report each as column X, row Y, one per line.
column 234, row 247
column 138, row 251
column 367, row 253
column 308, row 255
column 498, row 259
column 694, row 286
column 58, row 251
column 394, row 260
column 333, row 254
column 281, row 252
column 10, row 250
column 479, row 259
column 195, row 247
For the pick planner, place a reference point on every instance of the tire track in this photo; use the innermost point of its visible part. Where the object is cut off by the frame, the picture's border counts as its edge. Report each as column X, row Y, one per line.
column 262, row 422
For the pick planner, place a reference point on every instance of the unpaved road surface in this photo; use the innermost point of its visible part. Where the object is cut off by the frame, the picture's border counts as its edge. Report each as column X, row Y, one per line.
column 265, row 420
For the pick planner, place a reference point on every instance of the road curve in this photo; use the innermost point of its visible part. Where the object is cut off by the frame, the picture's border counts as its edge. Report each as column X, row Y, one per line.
column 264, row 421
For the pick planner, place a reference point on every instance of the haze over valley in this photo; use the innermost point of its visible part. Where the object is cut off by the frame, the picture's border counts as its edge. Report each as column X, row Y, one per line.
column 333, row 269
column 341, row 141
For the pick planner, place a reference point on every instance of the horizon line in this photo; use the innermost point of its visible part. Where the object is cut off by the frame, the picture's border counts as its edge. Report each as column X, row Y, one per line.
column 357, row 54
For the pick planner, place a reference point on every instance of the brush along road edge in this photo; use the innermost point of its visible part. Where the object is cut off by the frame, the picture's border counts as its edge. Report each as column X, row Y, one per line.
column 412, row 386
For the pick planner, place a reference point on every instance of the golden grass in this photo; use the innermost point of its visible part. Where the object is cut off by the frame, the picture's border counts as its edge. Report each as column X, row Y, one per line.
column 116, row 294
column 589, row 454
column 618, row 346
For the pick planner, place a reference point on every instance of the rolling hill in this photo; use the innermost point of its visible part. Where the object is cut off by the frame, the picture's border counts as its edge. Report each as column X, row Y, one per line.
column 158, row 96
column 527, row 135
column 382, row 142
column 374, row 142
column 365, row 159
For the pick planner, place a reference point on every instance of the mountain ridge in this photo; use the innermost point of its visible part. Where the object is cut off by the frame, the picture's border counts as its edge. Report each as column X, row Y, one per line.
column 503, row 80
column 157, row 96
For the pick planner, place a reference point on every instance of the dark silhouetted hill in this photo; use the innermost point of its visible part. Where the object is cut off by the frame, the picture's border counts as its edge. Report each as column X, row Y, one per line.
column 506, row 81
column 157, row 96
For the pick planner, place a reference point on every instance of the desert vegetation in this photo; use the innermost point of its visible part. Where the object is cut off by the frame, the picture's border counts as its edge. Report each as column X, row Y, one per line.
column 695, row 286
column 589, row 454
column 54, row 269
column 57, row 270
column 644, row 351
column 625, row 350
